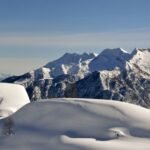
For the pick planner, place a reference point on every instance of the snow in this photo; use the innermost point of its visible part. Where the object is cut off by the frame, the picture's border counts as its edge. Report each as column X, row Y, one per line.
column 69, row 63
column 81, row 65
column 79, row 124
column 140, row 60
column 107, row 75
column 12, row 98
column 109, row 59
column 42, row 73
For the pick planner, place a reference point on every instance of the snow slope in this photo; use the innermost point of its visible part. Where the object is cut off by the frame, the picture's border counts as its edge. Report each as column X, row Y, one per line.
column 12, row 98
column 109, row 59
column 71, row 63
column 140, row 59
column 79, row 124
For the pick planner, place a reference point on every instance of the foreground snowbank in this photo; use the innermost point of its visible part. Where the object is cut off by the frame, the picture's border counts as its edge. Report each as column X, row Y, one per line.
column 12, row 98
column 77, row 124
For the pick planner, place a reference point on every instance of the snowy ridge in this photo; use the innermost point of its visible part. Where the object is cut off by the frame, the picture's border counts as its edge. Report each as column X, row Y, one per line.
column 141, row 61
column 79, row 124
column 82, row 65
column 70, row 64
column 109, row 59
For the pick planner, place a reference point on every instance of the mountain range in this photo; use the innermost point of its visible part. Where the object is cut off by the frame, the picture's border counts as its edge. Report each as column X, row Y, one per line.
column 113, row 74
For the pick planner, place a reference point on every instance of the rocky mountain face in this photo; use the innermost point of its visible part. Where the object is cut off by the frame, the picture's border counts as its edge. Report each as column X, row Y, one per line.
column 113, row 74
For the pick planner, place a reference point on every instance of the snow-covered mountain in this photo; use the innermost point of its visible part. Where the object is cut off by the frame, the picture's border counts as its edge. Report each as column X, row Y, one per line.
column 73, row 64
column 140, row 60
column 77, row 124
column 109, row 59
column 113, row 74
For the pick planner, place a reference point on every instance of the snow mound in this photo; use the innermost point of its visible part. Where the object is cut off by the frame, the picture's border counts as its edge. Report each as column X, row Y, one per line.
column 79, row 124
column 12, row 98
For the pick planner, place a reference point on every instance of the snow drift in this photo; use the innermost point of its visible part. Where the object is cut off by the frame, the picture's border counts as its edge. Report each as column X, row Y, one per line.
column 12, row 98
column 79, row 124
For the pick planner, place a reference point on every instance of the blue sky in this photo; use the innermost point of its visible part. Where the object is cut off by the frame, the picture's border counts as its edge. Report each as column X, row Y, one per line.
column 38, row 31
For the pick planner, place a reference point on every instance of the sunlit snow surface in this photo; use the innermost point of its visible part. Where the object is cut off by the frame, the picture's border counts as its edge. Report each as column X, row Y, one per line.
column 78, row 124
column 12, row 98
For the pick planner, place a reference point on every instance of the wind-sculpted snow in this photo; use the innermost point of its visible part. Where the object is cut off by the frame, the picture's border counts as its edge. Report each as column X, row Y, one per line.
column 12, row 98
column 78, row 124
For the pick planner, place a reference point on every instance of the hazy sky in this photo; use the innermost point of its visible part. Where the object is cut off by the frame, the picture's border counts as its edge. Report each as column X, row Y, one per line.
column 33, row 32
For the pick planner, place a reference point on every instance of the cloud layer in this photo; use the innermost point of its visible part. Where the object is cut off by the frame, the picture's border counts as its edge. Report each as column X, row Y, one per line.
column 128, row 39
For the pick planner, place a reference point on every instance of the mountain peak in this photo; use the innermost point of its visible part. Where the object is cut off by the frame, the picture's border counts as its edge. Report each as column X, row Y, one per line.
column 82, row 56
column 70, row 63
column 140, row 51
column 115, row 51
column 136, row 50
column 109, row 59
column 143, row 49
column 140, row 60
column 70, row 54
column 70, row 58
